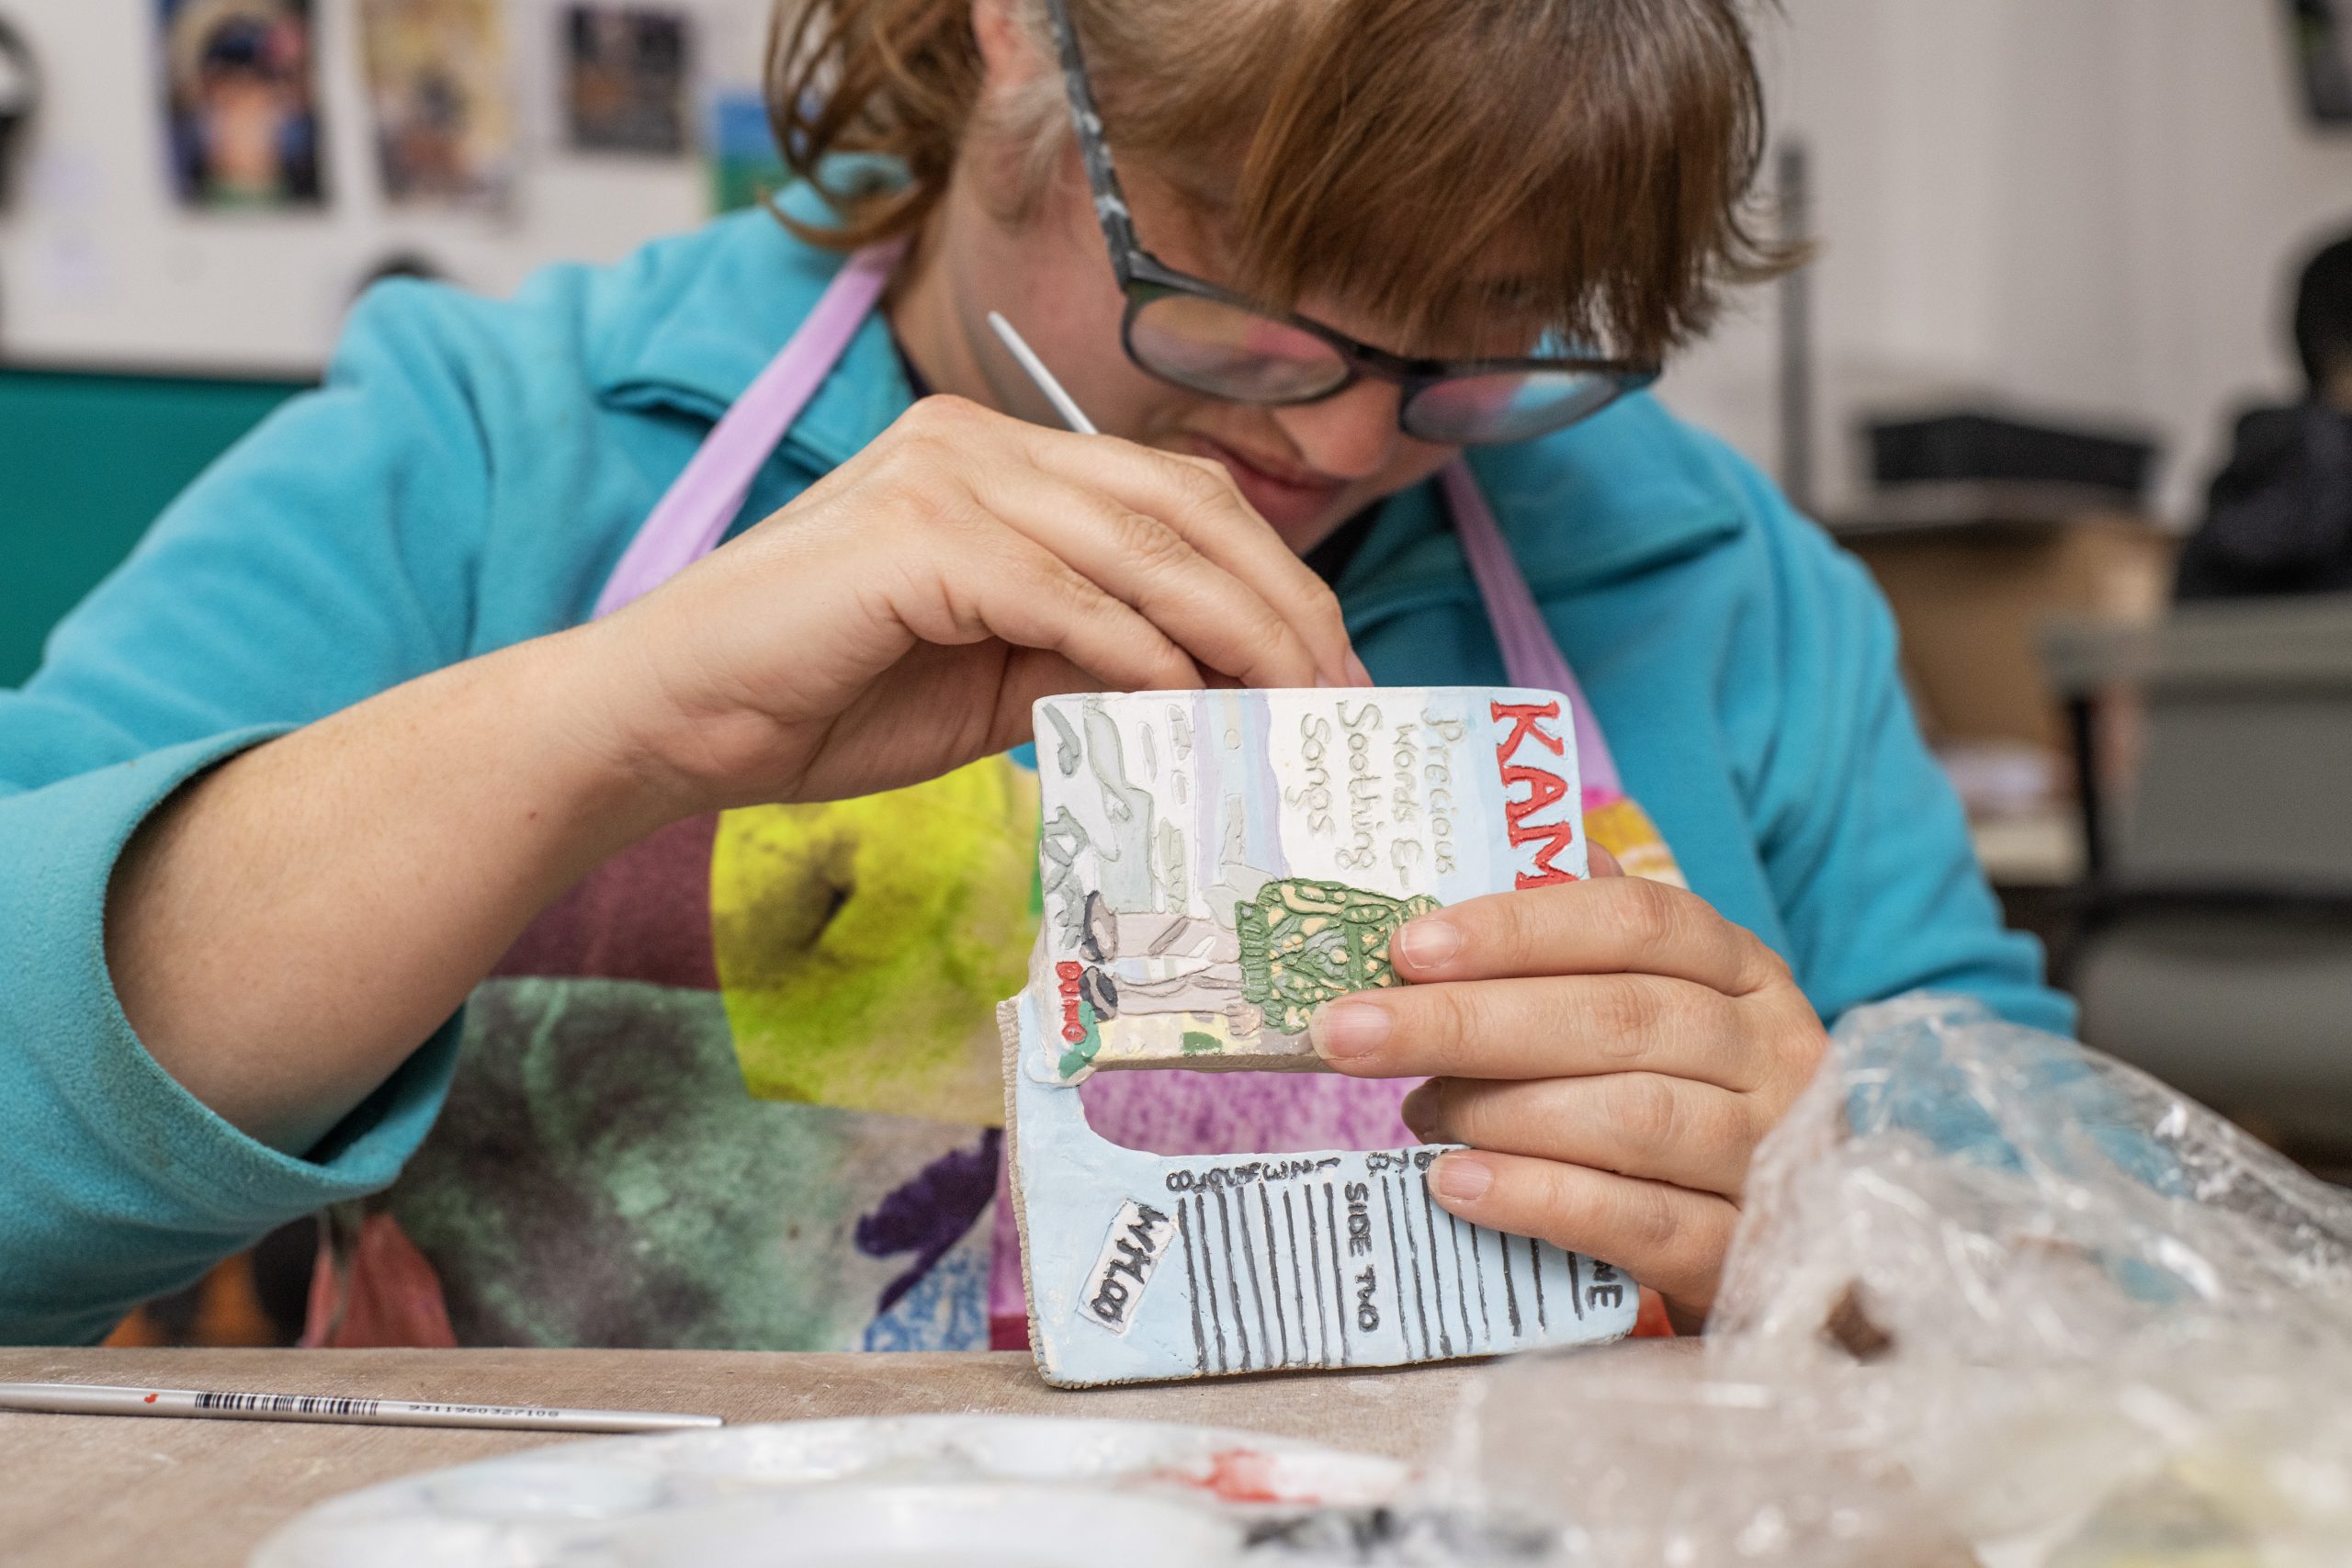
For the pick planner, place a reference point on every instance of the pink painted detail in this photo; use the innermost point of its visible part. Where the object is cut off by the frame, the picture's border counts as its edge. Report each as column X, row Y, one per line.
column 1205, row 1113
column 1246, row 1113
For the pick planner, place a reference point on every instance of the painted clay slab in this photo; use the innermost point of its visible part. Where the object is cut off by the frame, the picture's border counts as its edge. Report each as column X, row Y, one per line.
column 1214, row 866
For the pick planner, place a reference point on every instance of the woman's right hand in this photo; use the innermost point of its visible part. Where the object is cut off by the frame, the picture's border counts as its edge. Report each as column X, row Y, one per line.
column 899, row 617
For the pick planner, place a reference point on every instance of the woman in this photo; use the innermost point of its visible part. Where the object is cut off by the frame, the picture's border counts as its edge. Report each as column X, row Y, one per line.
column 344, row 745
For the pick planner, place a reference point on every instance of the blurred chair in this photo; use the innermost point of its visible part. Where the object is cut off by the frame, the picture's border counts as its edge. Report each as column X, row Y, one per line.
column 2214, row 947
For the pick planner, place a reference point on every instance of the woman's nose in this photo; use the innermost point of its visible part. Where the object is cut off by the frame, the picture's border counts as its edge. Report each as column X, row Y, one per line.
column 1352, row 435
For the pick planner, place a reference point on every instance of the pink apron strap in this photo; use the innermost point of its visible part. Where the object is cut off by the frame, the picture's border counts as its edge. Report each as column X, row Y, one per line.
column 693, row 513
column 1531, row 656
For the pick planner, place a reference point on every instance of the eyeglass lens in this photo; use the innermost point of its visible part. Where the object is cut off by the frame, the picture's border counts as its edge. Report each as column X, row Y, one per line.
column 1228, row 351
column 1509, row 406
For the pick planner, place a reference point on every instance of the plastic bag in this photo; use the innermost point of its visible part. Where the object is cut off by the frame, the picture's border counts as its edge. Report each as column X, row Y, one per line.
column 1992, row 1293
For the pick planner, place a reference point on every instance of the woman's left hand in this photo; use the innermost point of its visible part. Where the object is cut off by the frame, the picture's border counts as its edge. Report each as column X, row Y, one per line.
column 1612, row 1051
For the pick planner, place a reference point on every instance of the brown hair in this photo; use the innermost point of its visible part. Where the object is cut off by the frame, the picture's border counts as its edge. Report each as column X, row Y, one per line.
column 1378, row 149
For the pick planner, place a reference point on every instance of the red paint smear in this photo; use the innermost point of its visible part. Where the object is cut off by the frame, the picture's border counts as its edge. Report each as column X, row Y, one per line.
column 150, row 1399
column 1242, row 1476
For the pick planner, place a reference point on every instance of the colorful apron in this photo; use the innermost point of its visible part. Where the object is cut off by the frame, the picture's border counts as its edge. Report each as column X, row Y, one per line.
column 774, row 1120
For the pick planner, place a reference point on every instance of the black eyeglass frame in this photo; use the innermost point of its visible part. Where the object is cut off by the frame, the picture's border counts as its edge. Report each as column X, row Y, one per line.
column 1145, row 279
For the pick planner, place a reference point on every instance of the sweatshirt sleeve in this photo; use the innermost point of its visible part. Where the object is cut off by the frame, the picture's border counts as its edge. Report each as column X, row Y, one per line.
column 1862, row 838
column 326, row 557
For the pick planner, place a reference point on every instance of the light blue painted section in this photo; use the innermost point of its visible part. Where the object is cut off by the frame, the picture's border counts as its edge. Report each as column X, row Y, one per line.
column 1331, row 1259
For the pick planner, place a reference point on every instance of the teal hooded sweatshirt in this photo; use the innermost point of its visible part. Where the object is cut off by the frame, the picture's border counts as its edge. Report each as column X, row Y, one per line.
column 469, row 474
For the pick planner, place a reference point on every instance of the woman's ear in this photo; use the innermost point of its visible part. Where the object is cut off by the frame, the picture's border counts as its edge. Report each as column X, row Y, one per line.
column 1011, row 159
column 1006, row 53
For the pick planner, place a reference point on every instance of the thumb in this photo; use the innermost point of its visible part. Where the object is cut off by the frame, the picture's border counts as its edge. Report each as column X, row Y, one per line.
column 1603, row 863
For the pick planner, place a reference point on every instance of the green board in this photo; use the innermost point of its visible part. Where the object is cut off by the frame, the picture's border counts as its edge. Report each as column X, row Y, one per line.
column 87, row 462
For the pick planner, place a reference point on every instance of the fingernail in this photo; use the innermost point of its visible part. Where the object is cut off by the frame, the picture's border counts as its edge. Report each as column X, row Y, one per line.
column 1462, row 1178
column 1416, row 1114
column 1345, row 1031
column 1362, row 676
column 1428, row 943
column 1324, row 683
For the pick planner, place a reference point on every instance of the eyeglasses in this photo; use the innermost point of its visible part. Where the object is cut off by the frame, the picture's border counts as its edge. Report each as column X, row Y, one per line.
column 1188, row 331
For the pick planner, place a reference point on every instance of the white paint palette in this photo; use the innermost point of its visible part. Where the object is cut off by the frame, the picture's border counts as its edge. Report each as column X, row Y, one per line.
column 994, row 1492
column 1214, row 866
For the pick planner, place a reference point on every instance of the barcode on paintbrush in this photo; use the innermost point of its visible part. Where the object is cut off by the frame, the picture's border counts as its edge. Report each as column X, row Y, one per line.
column 285, row 1403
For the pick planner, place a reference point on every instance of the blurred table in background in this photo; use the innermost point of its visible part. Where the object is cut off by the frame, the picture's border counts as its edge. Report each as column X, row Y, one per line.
column 1975, row 573
column 2214, row 945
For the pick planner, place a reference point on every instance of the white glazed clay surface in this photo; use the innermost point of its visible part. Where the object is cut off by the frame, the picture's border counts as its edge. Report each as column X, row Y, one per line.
column 993, row 1492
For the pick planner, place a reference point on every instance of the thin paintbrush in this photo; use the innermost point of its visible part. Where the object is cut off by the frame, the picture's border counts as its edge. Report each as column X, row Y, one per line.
column 100, row 1399
column 1063, row 404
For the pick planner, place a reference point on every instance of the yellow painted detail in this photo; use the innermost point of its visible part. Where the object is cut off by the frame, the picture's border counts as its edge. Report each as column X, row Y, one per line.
column 1625, row 830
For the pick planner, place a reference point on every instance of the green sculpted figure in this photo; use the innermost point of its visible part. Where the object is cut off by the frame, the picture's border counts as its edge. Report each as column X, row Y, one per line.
column 1304, row 944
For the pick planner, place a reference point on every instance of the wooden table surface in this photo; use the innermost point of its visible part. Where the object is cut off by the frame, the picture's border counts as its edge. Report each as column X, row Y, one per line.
column 82, row 1491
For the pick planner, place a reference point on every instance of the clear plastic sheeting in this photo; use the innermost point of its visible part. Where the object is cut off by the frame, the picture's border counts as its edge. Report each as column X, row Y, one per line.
column 1995, row 1298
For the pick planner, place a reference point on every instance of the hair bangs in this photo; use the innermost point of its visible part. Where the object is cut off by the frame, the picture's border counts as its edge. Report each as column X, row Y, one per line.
column 1422, row 159
column 1588, row 163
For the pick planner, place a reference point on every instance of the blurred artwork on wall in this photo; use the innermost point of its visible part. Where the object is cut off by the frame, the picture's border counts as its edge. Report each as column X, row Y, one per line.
column 439, row 83
column 626, row 79
column 241, row 102
column 2323, row 42
column 740, row 150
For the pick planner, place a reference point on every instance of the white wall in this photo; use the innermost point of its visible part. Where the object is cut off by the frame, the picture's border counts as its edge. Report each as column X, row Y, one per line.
column 2081, row 206
column 99, row 266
